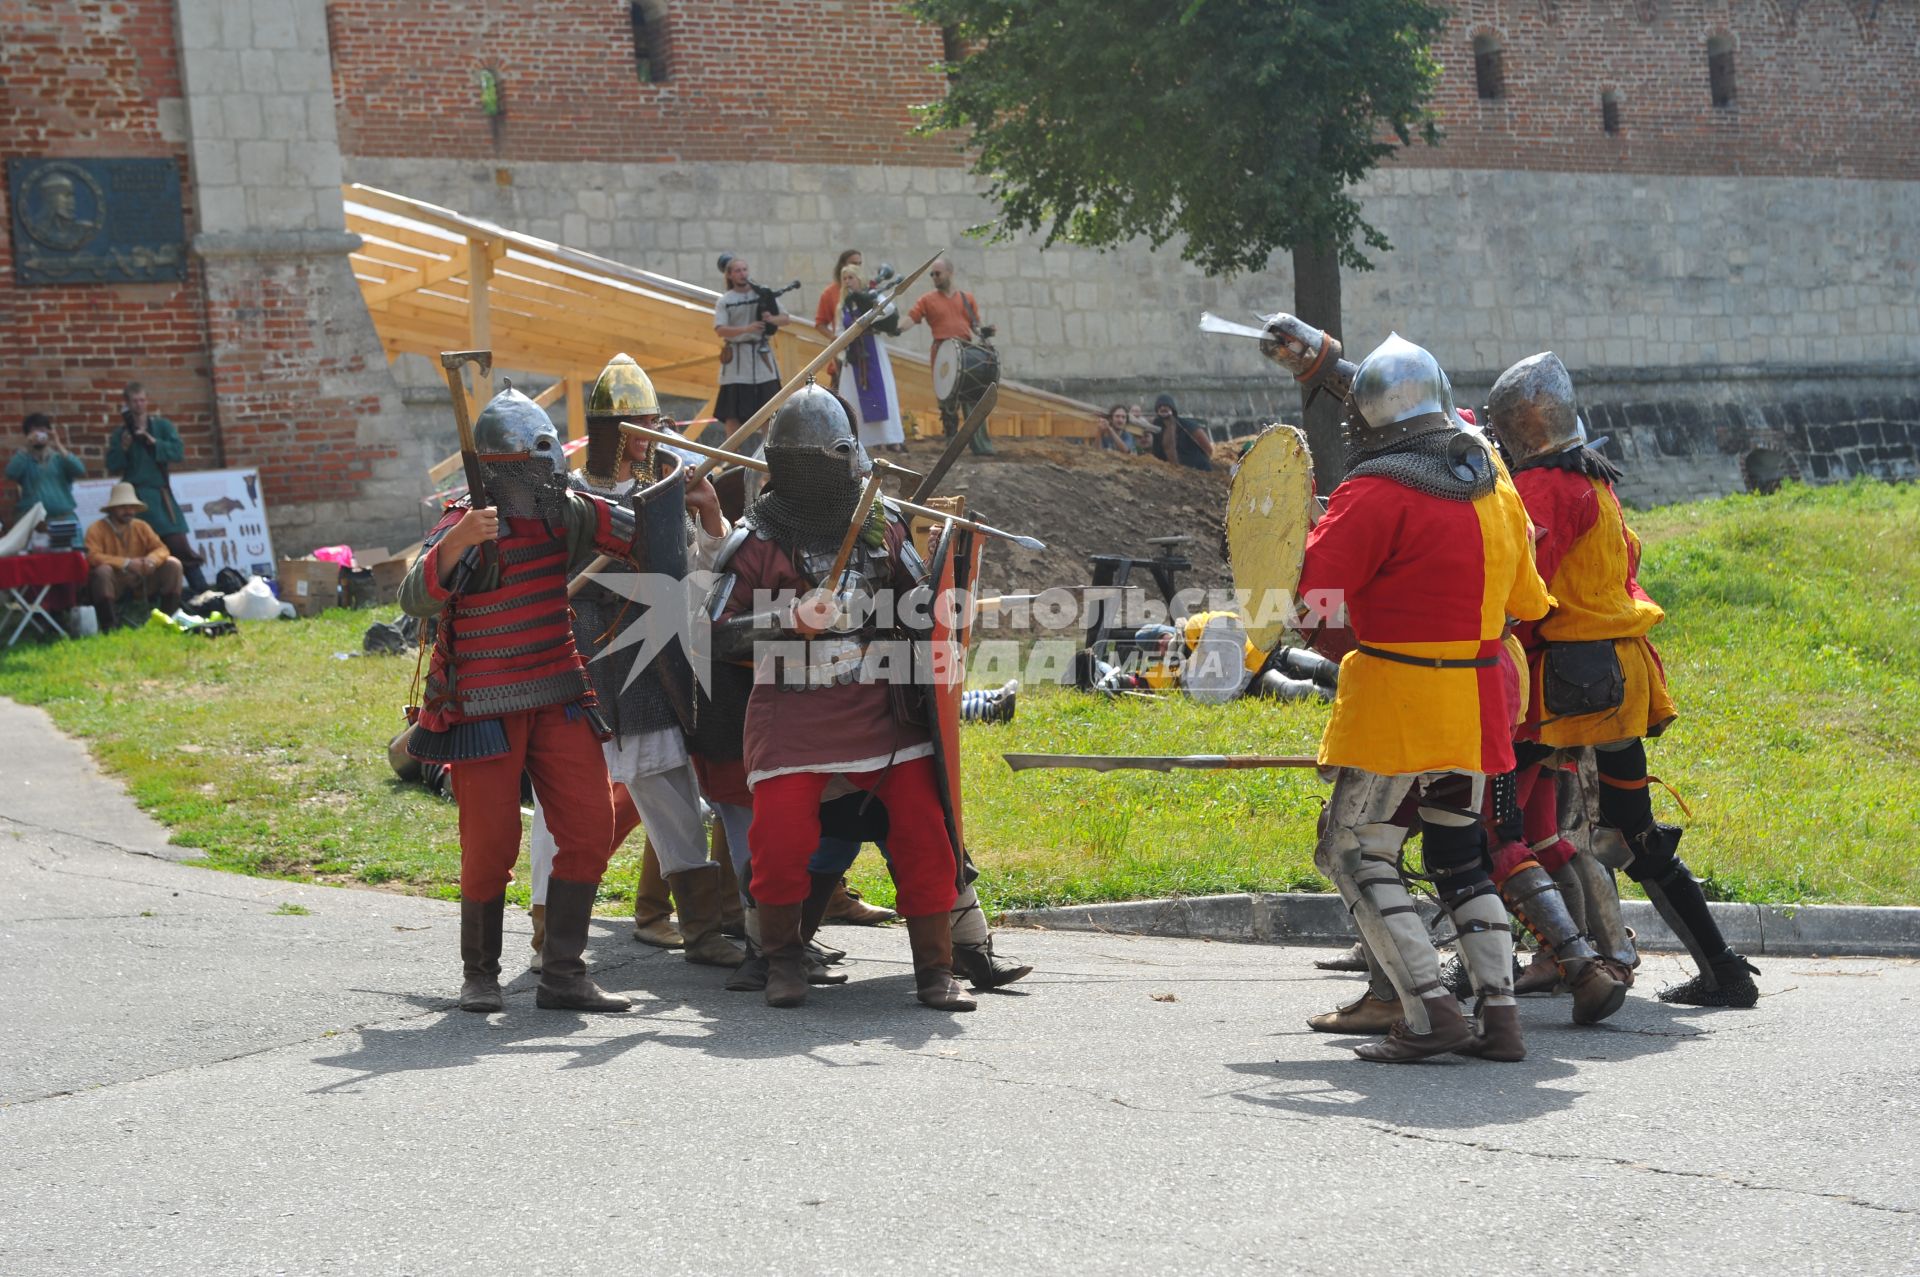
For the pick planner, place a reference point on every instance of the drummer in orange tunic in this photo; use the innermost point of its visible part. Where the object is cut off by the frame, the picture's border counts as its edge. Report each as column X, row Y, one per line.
column 1427, row 547
column 953, row 315
column 1596, row 638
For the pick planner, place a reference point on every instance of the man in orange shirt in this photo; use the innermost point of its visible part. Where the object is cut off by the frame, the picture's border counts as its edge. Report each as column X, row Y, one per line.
column 953, row 315
column 128, row 557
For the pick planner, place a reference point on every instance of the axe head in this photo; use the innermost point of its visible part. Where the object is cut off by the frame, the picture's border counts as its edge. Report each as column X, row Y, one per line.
column 452, row 359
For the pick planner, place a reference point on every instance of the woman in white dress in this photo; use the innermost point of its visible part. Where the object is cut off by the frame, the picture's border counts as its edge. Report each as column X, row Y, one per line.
column 866, row 375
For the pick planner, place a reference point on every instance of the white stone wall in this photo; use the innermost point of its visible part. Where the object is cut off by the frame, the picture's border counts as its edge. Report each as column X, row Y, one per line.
column 1615, row 272
column 261, row 127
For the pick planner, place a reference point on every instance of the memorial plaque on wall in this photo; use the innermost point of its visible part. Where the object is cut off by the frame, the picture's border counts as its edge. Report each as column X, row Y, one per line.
column 96, row 221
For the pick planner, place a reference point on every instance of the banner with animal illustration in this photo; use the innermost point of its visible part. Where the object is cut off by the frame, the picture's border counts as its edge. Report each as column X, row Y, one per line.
column 224, row 514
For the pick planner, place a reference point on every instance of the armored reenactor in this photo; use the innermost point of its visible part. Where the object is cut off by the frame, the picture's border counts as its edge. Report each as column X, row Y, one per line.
column 507, row 692
column 647, row 754
column 817, row 723
column 1596, row 679
column 1428, row 549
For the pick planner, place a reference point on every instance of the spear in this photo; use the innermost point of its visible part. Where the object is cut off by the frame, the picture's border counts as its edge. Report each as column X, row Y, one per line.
column 1158, row 763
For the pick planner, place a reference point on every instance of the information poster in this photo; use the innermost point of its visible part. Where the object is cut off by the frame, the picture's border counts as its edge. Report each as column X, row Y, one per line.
column 225, row 518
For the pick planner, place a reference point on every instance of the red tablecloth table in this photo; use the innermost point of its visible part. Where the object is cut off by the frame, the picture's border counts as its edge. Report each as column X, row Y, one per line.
column 25, row 580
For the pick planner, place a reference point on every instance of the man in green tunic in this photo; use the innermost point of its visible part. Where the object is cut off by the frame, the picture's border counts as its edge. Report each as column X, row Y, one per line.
column 142, row 449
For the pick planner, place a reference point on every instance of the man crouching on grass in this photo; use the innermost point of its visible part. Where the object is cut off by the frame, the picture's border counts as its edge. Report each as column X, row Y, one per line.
column 507, row 691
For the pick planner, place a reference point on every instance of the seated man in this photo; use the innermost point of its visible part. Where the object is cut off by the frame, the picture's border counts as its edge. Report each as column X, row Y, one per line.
column 128, row 559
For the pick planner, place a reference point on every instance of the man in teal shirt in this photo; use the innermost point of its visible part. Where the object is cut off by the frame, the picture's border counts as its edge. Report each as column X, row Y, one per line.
column 142, row 449
column 45, row 471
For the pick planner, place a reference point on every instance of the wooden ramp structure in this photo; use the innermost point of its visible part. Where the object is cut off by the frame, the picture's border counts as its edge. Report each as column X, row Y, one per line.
column 435, row 279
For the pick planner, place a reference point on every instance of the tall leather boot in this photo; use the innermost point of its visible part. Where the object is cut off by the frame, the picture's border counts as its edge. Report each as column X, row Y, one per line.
column 750, row 976
column 733, row 919
column 931, row 937
column 480, row 930
column 973, row 955
column 1725, row 977
column 652, row 905
column 846, row 906
column 564, row 984
column 1533, row 897
column 539, row 913
column 697, row 892
column 812, row 910
column 786, row 955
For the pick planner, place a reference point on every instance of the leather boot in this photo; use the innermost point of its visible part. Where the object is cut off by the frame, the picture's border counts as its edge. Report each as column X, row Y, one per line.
column 733, row 917
column 1365, row 1014
column 1449, row 1032
column 786, row 958
column 986, row 969
column 539, row 913
column 750, row 976
column 1542, row 975
column 931, row 937
column 480, row 923
column 1498, row 1037
column 846, row 906
column 820, row 895
column 697, row 894
column 653, row 905
column 1532, row 896
column 1352, row 960
column 564, row 984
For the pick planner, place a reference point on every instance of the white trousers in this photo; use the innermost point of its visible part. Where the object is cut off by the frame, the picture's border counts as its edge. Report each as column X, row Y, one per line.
column 669, row 807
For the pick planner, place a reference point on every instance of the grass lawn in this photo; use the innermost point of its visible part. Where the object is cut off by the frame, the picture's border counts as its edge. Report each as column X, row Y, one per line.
column 1793, row 641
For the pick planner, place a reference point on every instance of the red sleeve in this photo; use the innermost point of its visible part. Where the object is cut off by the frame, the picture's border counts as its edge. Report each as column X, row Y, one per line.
column 1563, row 506
column 829, row 298
column 1352, row 539
column 430, row 557
column 759, row 565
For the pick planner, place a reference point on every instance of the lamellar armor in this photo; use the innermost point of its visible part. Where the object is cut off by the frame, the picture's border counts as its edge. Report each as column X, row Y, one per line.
column 506, row 642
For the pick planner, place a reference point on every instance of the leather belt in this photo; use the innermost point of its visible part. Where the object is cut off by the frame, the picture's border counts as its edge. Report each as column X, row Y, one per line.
column 1431, row 662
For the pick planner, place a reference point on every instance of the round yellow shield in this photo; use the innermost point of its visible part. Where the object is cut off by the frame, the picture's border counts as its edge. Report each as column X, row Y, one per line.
column 1269, row 509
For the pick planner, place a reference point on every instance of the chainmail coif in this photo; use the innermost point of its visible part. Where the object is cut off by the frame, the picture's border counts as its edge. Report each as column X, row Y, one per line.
column 529, row 489
column 1431, row 463
column 811, row 503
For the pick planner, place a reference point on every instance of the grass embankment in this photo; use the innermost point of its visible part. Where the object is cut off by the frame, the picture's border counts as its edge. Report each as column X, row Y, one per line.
column 1793, row 640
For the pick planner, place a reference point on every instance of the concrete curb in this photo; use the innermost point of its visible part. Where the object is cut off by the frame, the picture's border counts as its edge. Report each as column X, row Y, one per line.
column 1305, row 918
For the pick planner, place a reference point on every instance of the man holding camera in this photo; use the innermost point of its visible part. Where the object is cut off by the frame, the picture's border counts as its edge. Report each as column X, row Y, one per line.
column 143, row 449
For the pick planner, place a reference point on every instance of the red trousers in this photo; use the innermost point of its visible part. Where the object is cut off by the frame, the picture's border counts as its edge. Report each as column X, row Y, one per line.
column 786, row 833
column 1539, row 801
column 569, row 773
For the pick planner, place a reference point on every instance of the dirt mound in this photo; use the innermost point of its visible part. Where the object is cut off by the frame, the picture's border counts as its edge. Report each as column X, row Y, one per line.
column 1083, row 501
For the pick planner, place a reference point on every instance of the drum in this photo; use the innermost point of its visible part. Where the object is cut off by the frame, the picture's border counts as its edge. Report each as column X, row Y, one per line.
column 962, row 371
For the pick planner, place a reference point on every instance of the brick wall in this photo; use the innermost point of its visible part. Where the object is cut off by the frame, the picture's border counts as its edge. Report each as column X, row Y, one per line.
column 97, row 80
column 1822, row 88
column 744, row 80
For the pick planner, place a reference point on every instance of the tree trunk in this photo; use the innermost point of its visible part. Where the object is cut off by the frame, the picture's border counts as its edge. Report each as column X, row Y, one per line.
column 1316, row 299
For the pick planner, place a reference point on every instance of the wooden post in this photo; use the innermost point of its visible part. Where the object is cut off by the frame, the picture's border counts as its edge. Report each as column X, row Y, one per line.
column 576, row 406
column 480, row 311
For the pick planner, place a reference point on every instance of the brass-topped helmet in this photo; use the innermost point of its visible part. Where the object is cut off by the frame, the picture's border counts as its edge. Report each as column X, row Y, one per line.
column 623, row 392
column 1532, row 410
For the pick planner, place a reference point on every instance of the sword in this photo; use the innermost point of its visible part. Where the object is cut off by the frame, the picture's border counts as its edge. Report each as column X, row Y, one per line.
column 1158, row 763
column 910, row 507
column 959, row 442
column 805, row 375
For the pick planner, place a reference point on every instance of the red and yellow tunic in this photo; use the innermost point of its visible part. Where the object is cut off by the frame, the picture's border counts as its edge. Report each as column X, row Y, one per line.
column 1429, row 577
column 1591, row 559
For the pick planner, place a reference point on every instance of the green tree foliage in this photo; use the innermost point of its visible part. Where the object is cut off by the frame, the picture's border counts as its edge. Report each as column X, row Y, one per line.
column 1239, row 125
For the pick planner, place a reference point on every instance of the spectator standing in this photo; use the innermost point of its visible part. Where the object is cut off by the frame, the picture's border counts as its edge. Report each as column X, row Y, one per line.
column 746, row 319
column 1183, row 441
column 829, row 308
column 865, row 382
column 127, row 558
column 45, row 470
column 142, row 452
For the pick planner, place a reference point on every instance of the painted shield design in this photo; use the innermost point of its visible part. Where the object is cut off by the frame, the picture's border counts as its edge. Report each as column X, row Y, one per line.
column 1270, row 507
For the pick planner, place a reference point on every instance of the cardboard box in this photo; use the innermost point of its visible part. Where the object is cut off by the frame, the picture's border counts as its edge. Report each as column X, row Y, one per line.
column 389, row 570
column 311, row 585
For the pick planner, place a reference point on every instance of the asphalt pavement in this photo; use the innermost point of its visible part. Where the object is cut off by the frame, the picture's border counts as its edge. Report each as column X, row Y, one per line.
column 197, row 1078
